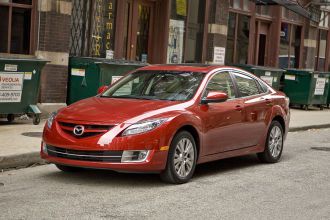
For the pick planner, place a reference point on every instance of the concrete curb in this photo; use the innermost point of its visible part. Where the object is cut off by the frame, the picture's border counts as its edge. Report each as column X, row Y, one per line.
column 20, row 160
column 33, row 158
column 305, row 128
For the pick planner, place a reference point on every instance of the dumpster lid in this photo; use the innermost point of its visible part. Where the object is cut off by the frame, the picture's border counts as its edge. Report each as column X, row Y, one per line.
column 98, row 60
column 23, row 59
column 268, row 68
column 300, row 71
column 258, row 67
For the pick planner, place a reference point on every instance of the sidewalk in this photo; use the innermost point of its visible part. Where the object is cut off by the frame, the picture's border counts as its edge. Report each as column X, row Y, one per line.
column 20, row 141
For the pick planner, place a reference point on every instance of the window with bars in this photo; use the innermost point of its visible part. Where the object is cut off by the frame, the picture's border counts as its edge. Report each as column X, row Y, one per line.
column 92, row 27
column 16, row 26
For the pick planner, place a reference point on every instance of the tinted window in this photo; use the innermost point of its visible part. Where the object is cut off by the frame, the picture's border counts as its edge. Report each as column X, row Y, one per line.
column 221, row 82
column 156, row 85
column 263, row 86
column 247, row 86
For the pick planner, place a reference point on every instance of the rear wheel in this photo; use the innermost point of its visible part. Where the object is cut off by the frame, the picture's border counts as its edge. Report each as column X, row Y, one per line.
column 181, row 161
column 68, row 169
column 274, row 144
column 36, row 119
column 10, row 117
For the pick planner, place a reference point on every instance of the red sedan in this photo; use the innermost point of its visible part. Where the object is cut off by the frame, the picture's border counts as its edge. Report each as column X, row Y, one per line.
column 167, row 119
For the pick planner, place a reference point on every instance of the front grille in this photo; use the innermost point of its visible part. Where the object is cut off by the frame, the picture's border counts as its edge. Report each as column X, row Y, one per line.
column 89, row 129
column 96, row 156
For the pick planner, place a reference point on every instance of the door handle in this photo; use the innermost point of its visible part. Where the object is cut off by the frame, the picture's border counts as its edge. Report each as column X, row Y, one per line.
column 238, row 108
column 269, row 102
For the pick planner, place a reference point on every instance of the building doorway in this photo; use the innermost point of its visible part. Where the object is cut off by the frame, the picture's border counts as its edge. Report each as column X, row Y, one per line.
column 261, row 52
column 138, row 29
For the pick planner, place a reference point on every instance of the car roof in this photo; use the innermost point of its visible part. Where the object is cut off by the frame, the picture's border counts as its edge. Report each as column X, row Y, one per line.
column 191, row 67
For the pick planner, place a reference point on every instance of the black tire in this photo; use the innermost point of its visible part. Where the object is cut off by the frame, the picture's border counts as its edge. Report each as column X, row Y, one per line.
column 36, row 119
column 169, row 175
column 10, row 118
column 266, row 156
column 68, row 169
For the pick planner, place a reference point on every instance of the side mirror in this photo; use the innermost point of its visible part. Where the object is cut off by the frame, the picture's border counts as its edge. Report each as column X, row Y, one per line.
column 102, row 89
column 214, row 97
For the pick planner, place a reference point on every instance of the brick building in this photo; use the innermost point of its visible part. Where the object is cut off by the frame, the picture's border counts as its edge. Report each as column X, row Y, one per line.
column 274, row 33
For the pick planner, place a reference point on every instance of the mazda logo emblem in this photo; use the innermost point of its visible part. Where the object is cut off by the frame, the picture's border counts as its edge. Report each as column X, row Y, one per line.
column 78, row 130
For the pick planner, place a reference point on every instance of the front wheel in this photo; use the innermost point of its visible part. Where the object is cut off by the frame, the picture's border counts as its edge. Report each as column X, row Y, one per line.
column 181, row 160
column 274, row 144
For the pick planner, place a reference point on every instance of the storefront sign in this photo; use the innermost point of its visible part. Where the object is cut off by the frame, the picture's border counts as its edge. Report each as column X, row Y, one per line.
column 320, row 86
column 77, row 72
column 219, row 55
column 11, row 85
column 109, row 54
column 10, row 67
column 181, row 7
column 144, row 58
column 175, row 42
column 103, row 27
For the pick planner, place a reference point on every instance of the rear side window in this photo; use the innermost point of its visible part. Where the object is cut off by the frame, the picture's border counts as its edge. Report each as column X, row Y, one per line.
column 263, row 86
column 246, row 85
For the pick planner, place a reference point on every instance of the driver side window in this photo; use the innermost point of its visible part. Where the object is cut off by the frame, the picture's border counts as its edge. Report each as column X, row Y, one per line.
column 221, row 82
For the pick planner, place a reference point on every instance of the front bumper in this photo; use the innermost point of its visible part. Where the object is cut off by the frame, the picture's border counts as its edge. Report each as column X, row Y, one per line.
column 155, row 162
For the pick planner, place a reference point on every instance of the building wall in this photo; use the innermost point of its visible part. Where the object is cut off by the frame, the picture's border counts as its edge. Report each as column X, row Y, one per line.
column 217, row 26
column 53, row 45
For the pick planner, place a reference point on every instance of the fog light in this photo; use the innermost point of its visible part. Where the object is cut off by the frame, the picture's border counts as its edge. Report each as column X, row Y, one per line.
column 134, row 156
column 44, row 148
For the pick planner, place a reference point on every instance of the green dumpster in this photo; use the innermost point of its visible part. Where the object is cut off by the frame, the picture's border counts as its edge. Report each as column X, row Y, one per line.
column 88, row 74
column 306, row 88
column 328, row 99
column 272, row 76
column 19, row 87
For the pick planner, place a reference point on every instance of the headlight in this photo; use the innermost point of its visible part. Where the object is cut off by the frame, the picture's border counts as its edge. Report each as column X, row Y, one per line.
column 51, row 119
column 143, row 126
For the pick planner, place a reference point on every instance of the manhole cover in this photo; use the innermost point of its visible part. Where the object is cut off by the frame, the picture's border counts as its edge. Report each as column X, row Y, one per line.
column 321, row 148
column 32, row 134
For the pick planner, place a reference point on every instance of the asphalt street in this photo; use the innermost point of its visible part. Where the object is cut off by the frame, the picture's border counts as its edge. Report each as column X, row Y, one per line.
column 298, row 187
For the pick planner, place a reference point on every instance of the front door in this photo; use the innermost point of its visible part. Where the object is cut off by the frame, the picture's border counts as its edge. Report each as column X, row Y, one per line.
column 222, row 121
column 139, row 17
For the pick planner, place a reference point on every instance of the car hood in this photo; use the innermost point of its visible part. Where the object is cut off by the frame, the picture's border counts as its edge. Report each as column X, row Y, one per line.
column 114, row 110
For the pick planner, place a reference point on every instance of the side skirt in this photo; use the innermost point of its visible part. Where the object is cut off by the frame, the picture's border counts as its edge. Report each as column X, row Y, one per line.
column 232, row 153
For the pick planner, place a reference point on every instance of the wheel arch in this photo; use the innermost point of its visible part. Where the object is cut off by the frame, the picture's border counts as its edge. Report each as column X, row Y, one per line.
column 280, row 119
column 194, row 132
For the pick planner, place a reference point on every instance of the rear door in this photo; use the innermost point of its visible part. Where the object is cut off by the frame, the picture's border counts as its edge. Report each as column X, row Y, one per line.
column 257, row 107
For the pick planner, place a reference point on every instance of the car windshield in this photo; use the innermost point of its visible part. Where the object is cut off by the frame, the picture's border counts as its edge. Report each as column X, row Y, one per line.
column 156, row 85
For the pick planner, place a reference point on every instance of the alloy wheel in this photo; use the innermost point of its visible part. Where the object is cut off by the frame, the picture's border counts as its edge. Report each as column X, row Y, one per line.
column 275, row 141
column 184, row 157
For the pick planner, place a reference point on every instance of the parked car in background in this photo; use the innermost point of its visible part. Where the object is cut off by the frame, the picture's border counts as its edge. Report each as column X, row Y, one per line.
column 167, row 119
